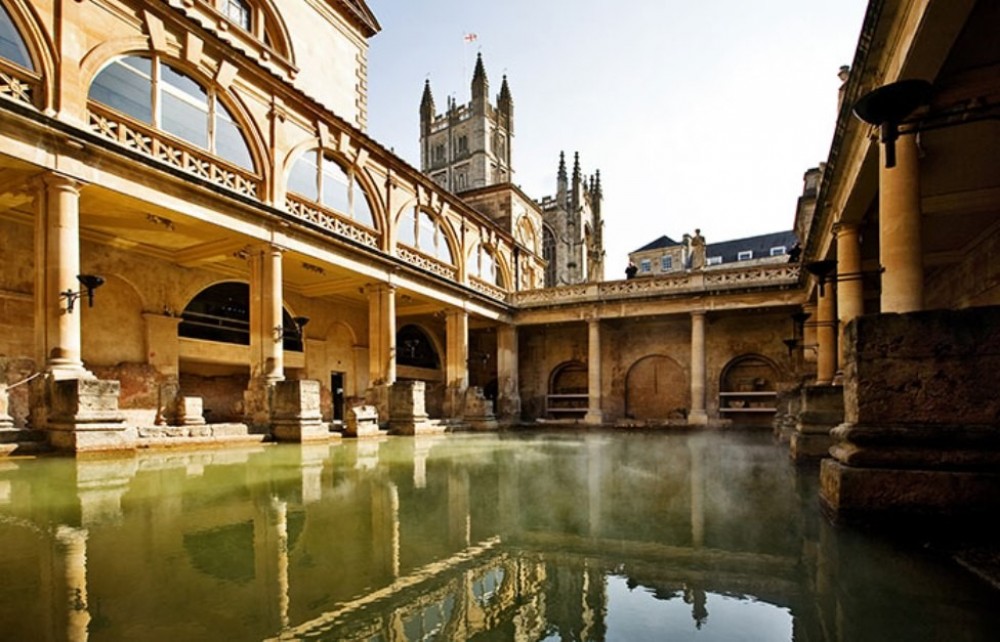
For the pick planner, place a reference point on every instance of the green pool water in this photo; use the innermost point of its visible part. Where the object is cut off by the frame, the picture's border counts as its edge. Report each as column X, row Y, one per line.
column 526, row 536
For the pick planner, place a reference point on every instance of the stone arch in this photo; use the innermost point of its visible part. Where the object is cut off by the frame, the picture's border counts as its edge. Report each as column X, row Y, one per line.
column 113, row 330
column 359, row 173
column 41, row 49
column 549, row 255
column 98, row 58
column 221, row 313
column 450, row 237
column 750, row 372
column 526, row 233
column 412, row 354
column 568, row 378
column 656, row 387
column 503, row 275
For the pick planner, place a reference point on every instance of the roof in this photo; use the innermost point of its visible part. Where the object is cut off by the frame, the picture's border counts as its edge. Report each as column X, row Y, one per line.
column 662, row 242
column 760, row 245
column 358, row 11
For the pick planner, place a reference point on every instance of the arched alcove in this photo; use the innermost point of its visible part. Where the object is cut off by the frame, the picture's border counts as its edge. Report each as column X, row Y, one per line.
column 747, row 389
column 567, row 397
column 656, row 387
column 221, row 313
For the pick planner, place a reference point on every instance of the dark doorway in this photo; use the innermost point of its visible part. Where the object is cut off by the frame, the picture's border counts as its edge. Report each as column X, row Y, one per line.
column 337, row 390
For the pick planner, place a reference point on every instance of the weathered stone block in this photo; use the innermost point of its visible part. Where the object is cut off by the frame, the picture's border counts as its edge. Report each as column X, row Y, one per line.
column 295, row 411
column 478, row 410
column 190, row 411
column 6, row 421
column 362, row 421
column 935, row 367
column 821, row 409
column 82, row 415
column 407, row 414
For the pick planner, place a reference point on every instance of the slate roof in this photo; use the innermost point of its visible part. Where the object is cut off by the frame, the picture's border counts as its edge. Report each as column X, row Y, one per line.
column 663, row 241
column 760, row 245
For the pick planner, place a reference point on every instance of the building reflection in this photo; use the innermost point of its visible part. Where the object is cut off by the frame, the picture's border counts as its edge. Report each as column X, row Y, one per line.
column 403, row 540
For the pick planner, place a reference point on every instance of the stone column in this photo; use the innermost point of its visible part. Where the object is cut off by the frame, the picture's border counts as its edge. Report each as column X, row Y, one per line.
column 508, row 386
column 900, row 249
column 594, row 414
column 850, row 291
column 698, row 416
column 826, row 337
column 266, row 334
column 57, row 255
column 456, row 361
column 381, row 346
column 267, row 355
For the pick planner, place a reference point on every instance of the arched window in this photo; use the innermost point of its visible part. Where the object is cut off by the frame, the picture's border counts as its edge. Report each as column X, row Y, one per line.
column 319, row 178
column 485, row 267
column 417, row 229
column 12, row 47
column 414, row 348
column 222, row 313
column 549, row 254
column 239, row 12
column 153, row 92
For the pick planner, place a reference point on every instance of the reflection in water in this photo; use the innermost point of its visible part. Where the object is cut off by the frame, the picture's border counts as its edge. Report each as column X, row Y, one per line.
column 598, row 536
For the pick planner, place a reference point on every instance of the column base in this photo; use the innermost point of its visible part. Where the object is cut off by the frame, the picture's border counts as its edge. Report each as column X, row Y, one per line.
column 81, row 415
column 874, row 494
column 295, row 411
column 809, row 446
column 697, row 418
column 822, row 410
column 593, row 417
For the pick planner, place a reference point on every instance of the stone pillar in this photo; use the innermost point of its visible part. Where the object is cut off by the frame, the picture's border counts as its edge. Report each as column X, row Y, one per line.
column 594, row 414
column 381, row 345
column 508, row 387
column 850, row 290
column 267, row 355
column 295, row 411
column 456, row 361
column 698, row 416
column 57, row 257
column 826, row 336
column 266, row 334
column 900, row 249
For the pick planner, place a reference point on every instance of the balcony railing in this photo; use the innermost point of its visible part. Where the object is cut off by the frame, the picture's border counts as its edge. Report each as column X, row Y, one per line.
column 425, row 262
column 490, row 290
column 694, row 282
column 17, row 84
column 155, row 144
column 312, row 212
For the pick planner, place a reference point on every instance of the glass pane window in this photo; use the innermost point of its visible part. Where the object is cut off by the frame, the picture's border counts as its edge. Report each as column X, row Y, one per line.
column 407, row 233
column 359, row 204
column 239, row 12
column 335, row 187
column 303, row 178
column 126, row 85
column 12, row 45
column 158, row 94
column 645, row 265
column 229, row 143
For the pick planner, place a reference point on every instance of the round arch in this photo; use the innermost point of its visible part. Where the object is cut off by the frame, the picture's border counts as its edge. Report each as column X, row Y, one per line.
column 502, row 279
column 221, row 313
column 100, row 57
column 441, row 222
column 368, row 188
column 568, row 378
column 526, row 233
column 656, row 387
column 39, row 45
column 750, row 372
column 417, row 347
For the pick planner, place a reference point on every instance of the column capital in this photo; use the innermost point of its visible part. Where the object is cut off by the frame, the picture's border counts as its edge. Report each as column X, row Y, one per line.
column 378, row 288
column 55, row 180
column 845, row 227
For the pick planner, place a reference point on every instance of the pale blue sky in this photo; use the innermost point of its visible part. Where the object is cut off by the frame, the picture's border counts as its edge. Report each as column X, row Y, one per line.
column 699, row 113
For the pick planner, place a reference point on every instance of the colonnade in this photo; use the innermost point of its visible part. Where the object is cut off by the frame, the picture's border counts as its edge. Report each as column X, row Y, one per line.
column 900, row 259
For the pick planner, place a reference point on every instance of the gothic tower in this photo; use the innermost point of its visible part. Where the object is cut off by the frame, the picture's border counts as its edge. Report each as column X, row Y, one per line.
column 573, row 236
column 469, row 146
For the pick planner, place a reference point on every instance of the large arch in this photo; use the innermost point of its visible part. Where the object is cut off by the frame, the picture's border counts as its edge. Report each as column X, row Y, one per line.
column 222, row 106
column 748, row 389
column 656, row 387
column 292, row 167
column 412, row 214
column 39, row 49
column 221, row 313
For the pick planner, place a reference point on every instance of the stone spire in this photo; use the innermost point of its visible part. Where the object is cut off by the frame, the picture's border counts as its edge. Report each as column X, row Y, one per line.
column 480, row 84
column 426, row 108
column 562, row 184
column 505, row 104
column 575, row 194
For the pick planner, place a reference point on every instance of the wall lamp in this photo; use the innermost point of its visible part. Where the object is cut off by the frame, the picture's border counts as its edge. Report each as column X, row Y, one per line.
column 296, row 330
column 888, row 107
column 90, row 282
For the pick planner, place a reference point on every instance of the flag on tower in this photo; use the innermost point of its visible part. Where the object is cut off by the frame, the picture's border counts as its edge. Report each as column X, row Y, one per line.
column 470, row 37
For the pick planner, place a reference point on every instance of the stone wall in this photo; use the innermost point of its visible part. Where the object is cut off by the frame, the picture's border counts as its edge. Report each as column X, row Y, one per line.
column 975, row 281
